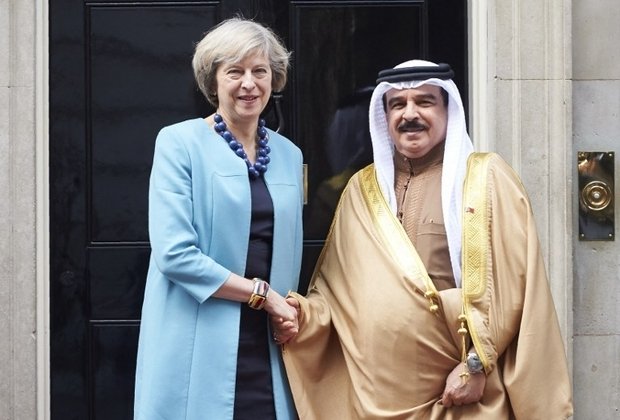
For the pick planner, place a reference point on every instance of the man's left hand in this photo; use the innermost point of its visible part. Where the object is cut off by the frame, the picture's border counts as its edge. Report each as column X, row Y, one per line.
column 459, row 391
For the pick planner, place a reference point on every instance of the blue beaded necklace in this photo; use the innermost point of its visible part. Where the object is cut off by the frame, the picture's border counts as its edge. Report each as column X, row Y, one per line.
column 262, row 160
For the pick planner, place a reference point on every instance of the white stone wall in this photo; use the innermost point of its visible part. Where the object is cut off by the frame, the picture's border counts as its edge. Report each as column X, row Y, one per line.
column 529, row 122
column 18, row 346
column 596, row 127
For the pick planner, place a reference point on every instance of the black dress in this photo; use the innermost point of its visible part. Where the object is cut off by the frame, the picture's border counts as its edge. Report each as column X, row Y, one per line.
column 254, row 389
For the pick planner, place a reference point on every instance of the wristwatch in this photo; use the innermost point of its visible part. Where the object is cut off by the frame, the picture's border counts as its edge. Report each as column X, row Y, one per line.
column 474, row 365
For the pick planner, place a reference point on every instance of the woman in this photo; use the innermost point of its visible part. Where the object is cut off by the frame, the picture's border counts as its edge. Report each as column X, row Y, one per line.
column 225, row 205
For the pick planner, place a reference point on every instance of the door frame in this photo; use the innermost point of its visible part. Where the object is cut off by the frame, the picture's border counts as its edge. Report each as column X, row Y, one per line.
column 42, row 109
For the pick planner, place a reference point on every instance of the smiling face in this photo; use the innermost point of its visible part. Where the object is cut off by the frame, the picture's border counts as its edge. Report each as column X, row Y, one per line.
column 417, row 119
column 243, row 88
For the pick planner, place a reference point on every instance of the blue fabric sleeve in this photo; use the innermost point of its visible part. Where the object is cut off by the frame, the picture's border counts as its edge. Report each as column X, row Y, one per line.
column 174, row 240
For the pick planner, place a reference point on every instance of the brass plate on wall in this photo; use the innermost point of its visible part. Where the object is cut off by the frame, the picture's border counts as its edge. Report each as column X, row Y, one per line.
column 596, row 196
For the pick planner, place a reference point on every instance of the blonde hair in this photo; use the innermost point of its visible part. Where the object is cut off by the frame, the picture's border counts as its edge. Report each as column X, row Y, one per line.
column 231, row 41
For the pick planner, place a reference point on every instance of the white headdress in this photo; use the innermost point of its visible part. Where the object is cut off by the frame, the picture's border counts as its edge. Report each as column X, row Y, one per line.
column 457, row 148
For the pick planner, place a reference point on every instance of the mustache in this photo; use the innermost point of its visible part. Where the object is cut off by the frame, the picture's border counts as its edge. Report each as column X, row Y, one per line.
column 412, row 125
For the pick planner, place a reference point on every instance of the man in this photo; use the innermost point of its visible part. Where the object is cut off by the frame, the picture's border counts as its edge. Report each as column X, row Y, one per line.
column 430, row 298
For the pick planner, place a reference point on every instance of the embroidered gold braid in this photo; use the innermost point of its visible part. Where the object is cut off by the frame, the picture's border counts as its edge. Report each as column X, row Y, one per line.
column 475, row 226
column 475, row 247
column 394, row 236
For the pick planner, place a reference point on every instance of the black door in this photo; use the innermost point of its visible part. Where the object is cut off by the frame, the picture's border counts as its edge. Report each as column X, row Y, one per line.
column 119, row 71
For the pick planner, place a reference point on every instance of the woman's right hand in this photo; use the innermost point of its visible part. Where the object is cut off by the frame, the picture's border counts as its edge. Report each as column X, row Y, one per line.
column 282, row 313
column 277, row 307
column 284, row 327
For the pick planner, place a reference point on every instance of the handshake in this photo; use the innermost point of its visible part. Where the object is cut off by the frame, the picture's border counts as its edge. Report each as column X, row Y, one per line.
column 285, row 320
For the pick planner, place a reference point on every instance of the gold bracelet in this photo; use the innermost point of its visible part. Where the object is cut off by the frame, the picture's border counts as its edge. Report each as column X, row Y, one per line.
column 259, row 294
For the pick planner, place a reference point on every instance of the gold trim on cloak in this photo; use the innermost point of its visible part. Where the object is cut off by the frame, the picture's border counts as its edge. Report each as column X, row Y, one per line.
column 475, row 245
column 393, row 235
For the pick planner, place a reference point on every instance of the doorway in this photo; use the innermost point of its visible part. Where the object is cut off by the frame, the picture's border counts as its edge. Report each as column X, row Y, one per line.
column 119, row 71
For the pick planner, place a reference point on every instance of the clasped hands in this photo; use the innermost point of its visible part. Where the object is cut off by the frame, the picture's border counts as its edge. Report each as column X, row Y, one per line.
column 285, row 320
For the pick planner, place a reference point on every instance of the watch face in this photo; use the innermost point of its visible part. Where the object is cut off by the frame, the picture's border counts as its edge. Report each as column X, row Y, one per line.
column 474, row 365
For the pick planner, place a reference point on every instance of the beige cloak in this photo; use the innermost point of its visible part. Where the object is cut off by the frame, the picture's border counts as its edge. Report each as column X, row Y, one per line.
column 371, row 344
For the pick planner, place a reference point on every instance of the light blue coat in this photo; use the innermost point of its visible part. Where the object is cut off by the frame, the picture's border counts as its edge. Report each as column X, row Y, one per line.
column 199, row 224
